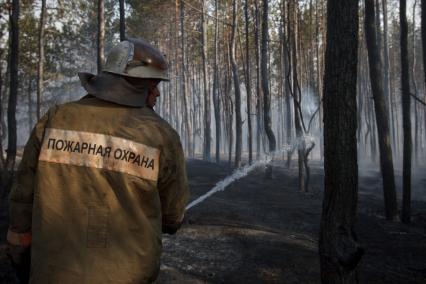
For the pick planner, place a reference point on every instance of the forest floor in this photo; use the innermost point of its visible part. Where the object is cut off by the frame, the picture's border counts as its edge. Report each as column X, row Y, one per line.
column 265, row 231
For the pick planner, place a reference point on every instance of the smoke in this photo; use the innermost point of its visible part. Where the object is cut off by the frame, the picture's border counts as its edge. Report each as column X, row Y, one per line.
column 301, row 142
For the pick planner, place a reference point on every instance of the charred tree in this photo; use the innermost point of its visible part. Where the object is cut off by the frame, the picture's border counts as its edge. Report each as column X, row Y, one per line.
column 413, row 75
column 248, row 83
column 2, row 129
column 406, row 121
column 101, row 34
column 298, row 119
column 339, row 251
column 238, row 122
column 258, row 83
column 281, row 79
column 122, row 21
column 287, row 68
column 423, row 31
column 40, row 70
column 378, row 30
column 30, row 104
column 382, row 119
column 265, row 87
column 207, row 122
column 183, row 80
column 320, row 65
column 386, row 82
column 423, row 28
column 216, row 100
column 11, row 110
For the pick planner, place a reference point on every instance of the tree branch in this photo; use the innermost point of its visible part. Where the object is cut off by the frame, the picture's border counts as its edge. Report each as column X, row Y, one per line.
column 418, row 99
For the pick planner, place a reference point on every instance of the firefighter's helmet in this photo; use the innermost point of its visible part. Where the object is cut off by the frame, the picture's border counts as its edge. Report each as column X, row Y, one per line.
column 136, row 58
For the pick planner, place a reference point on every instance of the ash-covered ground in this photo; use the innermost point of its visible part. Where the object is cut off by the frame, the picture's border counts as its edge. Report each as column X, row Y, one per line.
column 265, row 231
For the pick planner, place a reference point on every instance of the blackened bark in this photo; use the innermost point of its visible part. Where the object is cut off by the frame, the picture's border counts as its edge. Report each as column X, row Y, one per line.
column 423, row 24
column 423, row 28
column 248, row 84
column 2, row 128
column 265, row 86
column 11, row 110
column 30, row 104
column 301, row 145
column 207, row 122
column 376, row 12
column 386, row 83
column 216, row 99
column 406, row 121
column 122, row 21
column 413, row 78
column 287, row 68
column 238, row 122
column 258, row 79
column 40, row 68
column 382, row 119
column 101, row 34
column 188, row 129
column 339, row 252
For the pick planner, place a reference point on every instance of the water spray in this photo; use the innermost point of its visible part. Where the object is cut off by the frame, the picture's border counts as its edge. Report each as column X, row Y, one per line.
column 221, row 185
column 244, row 171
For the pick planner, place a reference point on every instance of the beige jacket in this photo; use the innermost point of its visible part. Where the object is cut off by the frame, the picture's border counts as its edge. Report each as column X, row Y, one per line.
column 96, row 183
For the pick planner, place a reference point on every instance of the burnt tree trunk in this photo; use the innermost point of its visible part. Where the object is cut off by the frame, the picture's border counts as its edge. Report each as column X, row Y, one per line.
column 101, row 34
column 406, row 121
column 40, row 68
column 382, row 119
column 248, row 83
column 183, row 81
column 413, row 78
column 386, row 82
column 216, row 100
column 2, row 128
column 11, row 110
column 238, row 122
column 122, row 21
column 207, row 122
column 30, row 104
column 339, row 252
column 301, row 146
column 423, row 27
column 258, row 84
column 287, row 68
column 265, row 87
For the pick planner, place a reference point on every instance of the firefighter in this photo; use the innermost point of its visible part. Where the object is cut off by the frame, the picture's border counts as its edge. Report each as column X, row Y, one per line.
column 101, row 178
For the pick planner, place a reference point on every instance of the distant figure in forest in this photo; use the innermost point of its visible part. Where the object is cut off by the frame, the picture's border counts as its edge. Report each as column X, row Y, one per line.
column 100, row 179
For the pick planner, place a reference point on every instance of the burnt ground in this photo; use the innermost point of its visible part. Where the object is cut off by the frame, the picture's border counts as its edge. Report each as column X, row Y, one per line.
column 265, row 231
